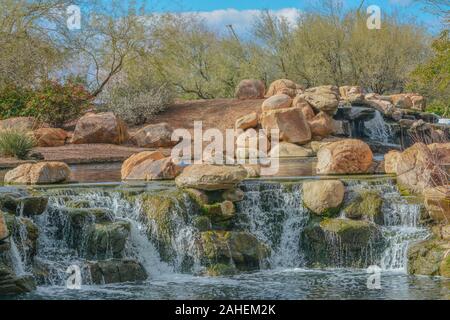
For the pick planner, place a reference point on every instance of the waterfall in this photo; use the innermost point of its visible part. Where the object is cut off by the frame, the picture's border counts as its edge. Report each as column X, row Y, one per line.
column 16, row 259
column 401, row 223
column 275, row 215
column 377, row 129
column 272, row 211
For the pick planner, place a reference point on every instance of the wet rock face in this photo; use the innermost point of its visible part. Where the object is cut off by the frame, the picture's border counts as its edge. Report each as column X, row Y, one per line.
column 242, row 248
column 366, row 205
column 100, row 128
column 3, row 228
column 108, row 240
column 10, row 283
column 21, row 203
column 429, row 257
column 116, row 271
column 342, row 243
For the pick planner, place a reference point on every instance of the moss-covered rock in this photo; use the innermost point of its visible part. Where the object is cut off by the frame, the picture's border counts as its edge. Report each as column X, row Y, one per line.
column 107, row 240
column 239, row 249
column 166, row 212
column 342, row 243
column 78, row 204
column 366, row 205
column 429, row 257
column 116, row 271
column 220, row 269
column 25, row 233
column 202, row 223
column 23, row 204
column 10, row 284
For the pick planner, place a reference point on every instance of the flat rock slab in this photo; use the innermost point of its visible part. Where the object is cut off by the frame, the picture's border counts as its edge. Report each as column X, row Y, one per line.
column 91, row 153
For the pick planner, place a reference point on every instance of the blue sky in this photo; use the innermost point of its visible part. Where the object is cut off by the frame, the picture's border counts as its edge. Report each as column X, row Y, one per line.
column 218, row 13
column 240, row 13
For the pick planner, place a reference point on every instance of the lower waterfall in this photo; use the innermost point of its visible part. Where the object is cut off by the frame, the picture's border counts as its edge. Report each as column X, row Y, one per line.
column 273, row 212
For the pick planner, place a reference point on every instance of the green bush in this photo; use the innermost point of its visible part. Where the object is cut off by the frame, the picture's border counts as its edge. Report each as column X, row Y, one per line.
column 52, row 102
column 16, row 142
column 13, row 101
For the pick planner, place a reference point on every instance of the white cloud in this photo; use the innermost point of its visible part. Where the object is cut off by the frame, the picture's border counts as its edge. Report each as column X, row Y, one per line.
column 241, row 19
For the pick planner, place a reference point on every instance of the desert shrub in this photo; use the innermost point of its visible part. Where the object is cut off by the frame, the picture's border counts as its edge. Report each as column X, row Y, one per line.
column 13, row 101
column 56, row 103
column 16, row 142
column 137, row 104
column 52, row 102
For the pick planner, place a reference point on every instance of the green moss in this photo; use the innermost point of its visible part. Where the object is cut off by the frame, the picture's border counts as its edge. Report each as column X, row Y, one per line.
column 429, row 257
column 202, row 223
column 220, row 269
column 78, row 204
column 366, row 204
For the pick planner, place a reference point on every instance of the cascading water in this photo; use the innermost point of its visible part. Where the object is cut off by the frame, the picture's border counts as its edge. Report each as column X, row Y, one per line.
column 378, row 130
column 401, row 223
column 272, row 211
column 274, row 214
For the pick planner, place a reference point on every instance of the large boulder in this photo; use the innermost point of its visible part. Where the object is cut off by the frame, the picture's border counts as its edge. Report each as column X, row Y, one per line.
column 211, row 177
column 10, row 284
column 51, row 137
column 290, row 122
column 441, row 153
column 352, row 94
column 323, row 98
column 154, row 136
column 342, row 243
column 322, row 125
column 3, row 228
column 116, row 271
column 437, row 202
column 246, row 122
column 239, row 249
column 390, row 161
column 250, row 89
column 430, row 258
column 38, row 173
column 304, row 106
column 100, row 128
column 284, row 86
column 418, row 170
column 149, row 165
column 323, row 197
column 382, row 104
column 344, row 157
column 278, row 101
column 22, row 123
column 286, row 149
column 409, row 101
